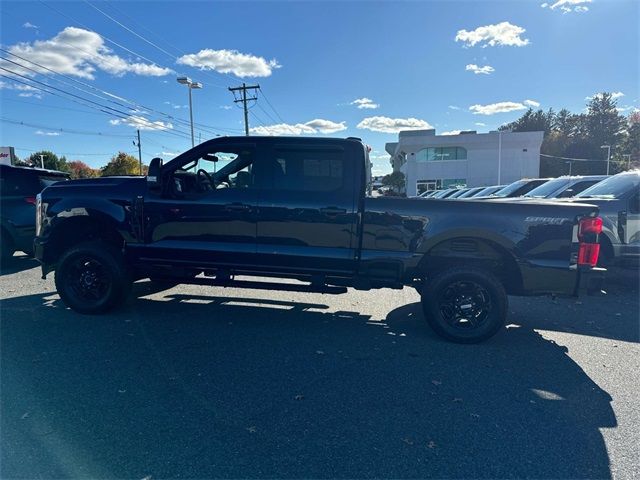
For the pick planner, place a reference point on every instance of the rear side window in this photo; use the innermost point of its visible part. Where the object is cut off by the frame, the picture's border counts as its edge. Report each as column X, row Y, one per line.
column 577, row 188
column 307, row 169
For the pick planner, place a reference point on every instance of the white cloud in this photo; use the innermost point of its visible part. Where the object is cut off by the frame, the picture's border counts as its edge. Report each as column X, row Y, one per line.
column 503, row 33
column 568, row 6
column 48, row 134
column 29, row 25
column 142, row 123
column 454, row 107
column 25, row 90
column 365, row 102
column 500, row 107
column 480, row 124
column 452, row 132
column 169, row 154
column 486, row 70
column 230, row 61
column 78, row 52
column 614, row 95
column 225, row 107
column 531, row 103
column 317, row 125
column 392, row 125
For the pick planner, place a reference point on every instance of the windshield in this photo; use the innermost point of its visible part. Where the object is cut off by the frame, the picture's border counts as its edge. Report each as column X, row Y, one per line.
column 613, row 187
column 548, row 188
column 509, row 189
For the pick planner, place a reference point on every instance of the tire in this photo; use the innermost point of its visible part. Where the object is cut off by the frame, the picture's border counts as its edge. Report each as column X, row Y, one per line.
column 465, row 305
column 7, row 247
column 92, row 278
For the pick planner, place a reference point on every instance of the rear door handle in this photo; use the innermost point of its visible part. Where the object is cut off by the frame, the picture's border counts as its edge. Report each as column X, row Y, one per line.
column 332, row 211
column 237, row 207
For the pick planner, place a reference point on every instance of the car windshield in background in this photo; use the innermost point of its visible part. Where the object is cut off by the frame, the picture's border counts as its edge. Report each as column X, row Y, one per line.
column 612, row 187
column 509, row 189
column 547, row 188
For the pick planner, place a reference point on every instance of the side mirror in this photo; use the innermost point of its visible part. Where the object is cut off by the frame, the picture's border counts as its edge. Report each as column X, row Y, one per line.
column 153, row 176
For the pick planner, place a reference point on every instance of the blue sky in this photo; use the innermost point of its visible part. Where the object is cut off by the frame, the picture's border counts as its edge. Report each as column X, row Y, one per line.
column 450, row 65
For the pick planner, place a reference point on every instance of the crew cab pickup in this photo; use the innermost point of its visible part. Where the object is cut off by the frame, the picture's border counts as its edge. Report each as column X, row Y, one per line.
column 297, row 208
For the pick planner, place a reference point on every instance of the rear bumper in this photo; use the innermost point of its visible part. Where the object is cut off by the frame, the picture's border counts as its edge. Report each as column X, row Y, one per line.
column 591, row 281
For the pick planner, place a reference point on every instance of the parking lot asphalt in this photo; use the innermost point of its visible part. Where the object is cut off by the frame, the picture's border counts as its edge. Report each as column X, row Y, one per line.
column 200, row 382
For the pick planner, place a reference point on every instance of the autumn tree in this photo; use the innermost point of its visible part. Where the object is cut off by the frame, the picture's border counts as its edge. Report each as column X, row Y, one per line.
column 79, row 169
column 122, row 164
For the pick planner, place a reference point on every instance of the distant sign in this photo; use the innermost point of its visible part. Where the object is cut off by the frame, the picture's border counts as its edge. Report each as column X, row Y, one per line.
column 7, row 155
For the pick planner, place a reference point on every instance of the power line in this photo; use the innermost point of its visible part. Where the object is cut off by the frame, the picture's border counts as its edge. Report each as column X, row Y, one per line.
column 272, row 107
column 210, row 129
column 113, row 111
column 62, row 130
column 71, row 153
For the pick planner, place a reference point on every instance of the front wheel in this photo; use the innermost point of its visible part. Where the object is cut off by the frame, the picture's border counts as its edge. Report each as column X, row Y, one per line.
column 92, row 278
column 465, row 305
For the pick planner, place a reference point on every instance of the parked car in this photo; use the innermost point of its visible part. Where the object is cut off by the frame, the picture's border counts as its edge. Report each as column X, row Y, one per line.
column 428, row 193
column 488, row 191
column 471, row 192
column 618, row 198
column 18, row 189
column 447, row 192
column 285, row 207
column 458, row 193
column 518, row 188
column 564, row 187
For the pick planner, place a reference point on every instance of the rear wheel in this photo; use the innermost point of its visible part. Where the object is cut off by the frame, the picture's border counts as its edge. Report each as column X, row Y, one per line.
column 465, row 305
column 92, row 278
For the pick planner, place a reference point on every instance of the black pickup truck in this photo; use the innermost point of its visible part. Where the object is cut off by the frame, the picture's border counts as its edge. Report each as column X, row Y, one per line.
column 296, row 208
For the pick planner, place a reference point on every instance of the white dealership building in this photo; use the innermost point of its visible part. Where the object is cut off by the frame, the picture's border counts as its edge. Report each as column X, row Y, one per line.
column 431, row 161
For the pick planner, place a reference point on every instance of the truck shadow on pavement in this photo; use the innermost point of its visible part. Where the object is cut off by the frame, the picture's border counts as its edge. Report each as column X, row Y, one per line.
column 17, row 263
column 207, row 386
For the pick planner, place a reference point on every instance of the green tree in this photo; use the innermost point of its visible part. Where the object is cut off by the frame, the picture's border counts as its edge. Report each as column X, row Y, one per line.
column 80, row 169
column 394, row 180
column 122, row 164
column 51, row 160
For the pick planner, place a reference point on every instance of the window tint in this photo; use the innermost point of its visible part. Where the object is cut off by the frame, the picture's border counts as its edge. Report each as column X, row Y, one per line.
column 314, row 170
column 577, row 188
column 634, row 204
column 436, row 154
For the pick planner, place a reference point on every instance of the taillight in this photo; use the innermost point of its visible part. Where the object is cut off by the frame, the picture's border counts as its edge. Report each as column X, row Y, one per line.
column 589, row 230
column 30, row 200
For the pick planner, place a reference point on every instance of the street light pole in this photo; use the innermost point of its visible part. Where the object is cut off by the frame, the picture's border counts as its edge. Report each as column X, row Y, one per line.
column 570, row 163
column 190, row 85
column 628, row 155
column 608, row 147
column 500, row 157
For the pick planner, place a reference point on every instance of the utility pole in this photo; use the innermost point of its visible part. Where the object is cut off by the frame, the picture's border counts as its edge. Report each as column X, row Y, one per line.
column 139, row 151
column 608, row 147
column 628, row 155
column 42, row 160
column 244, row 99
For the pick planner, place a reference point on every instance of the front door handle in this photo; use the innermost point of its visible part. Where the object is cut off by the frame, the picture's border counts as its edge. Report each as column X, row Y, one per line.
column 237, row 207
column 333, row 211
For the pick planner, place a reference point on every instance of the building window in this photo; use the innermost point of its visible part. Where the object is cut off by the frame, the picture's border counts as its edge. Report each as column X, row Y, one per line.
column 437, row 154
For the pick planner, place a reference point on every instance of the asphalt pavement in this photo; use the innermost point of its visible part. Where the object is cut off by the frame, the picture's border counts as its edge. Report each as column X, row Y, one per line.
column 203, row 382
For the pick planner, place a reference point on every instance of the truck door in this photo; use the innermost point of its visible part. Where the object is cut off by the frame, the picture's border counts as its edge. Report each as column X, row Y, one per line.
column 632, row 225
column 209, row 218
column 308, row 212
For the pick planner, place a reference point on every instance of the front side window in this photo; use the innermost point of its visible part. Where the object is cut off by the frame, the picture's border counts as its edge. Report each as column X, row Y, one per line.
column 307, row 169
column 227, row 167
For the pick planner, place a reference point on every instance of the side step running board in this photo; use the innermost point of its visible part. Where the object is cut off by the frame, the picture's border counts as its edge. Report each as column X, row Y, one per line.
column 286, row 287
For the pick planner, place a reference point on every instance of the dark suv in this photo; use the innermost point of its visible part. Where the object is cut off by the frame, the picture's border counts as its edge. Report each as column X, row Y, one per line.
column 18, row 189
